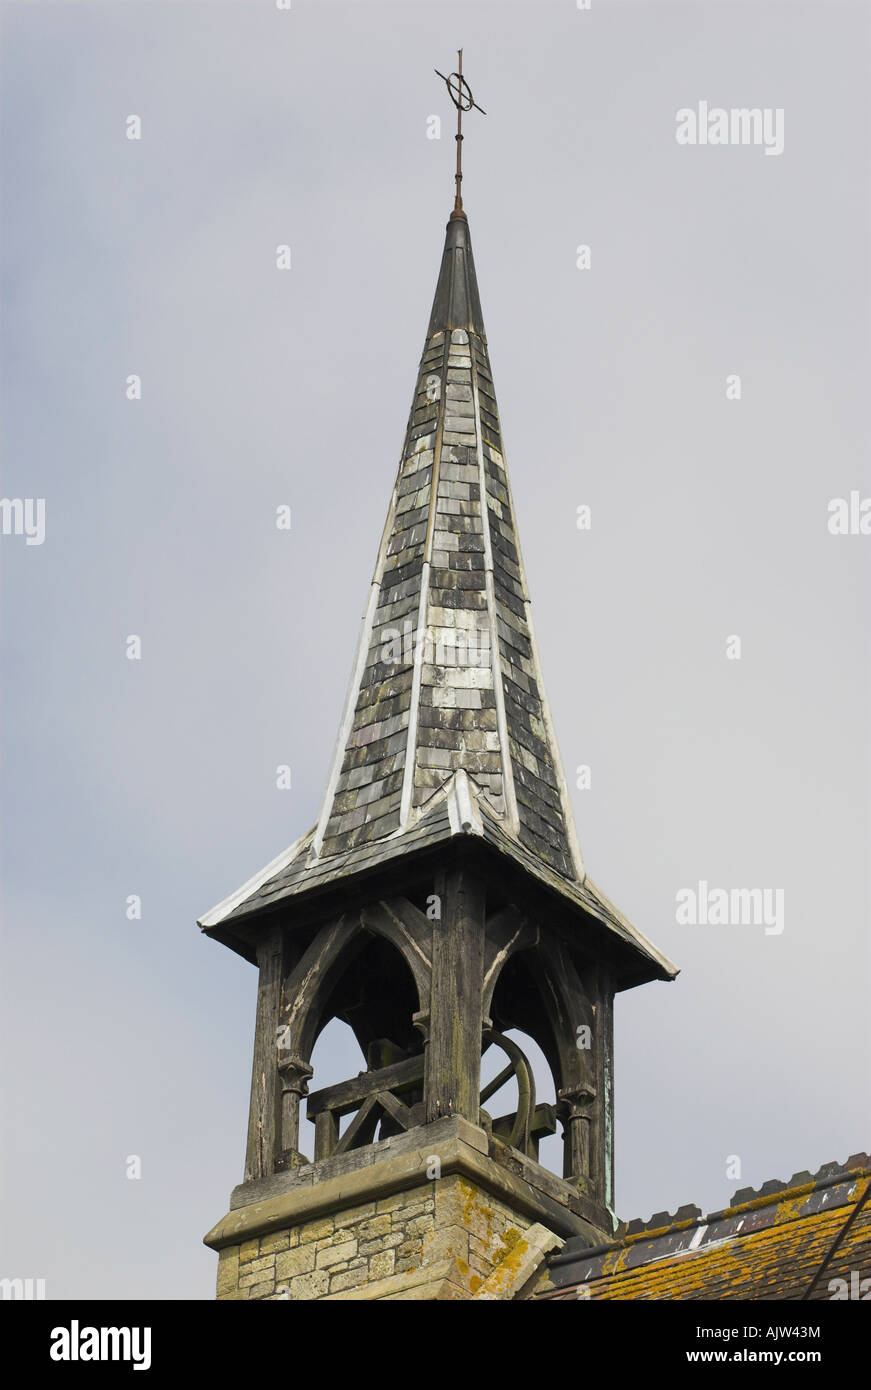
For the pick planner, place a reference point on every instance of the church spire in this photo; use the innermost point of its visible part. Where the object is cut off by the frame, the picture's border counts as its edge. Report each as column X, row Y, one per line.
column 439, row 908
column 446, row 728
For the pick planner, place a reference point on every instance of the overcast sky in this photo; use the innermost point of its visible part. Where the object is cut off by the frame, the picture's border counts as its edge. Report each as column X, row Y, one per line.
column 262, row 387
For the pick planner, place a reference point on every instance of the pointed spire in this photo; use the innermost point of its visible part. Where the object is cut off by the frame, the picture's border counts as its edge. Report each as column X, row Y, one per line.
column 456, row 303
column 446, row 727
column 447, row 677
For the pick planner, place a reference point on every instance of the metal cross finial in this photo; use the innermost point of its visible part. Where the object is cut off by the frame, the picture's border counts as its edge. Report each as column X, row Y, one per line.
column 460, row 94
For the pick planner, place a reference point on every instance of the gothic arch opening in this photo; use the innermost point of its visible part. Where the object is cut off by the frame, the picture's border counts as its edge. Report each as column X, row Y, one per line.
column 518, row 1004
column 335, row 1056
column 373, row 1002
column 505, row 1100
column 520, row 1014
column 376, row 997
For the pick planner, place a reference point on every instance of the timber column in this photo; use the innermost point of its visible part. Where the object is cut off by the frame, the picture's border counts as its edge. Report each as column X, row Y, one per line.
column 452, row 1078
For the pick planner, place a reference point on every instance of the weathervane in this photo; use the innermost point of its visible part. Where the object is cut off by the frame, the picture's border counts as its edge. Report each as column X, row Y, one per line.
column 460, row 94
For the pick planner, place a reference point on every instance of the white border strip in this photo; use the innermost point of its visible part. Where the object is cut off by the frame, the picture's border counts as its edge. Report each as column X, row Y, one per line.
column 509, row 796
column 363, row 646
column 408, row 771
column 217, row 914
column 568, row 812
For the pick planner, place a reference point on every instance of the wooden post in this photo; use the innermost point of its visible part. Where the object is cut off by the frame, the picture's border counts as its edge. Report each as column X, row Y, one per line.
column 453, row 1056
column 574, row 1107
column 294, row 1074
column 260, row 1148
column 604, row 1125
column 326, row 1134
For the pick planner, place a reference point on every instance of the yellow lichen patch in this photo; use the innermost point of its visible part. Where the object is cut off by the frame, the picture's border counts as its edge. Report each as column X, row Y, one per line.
column 660, row 1230
column 749, row 1266
column 758, row 1202
column 475, row 1211
column 791, row 1208
column 616, row 1263
column 509, row 1241
column 510, row 1263
column 475, row 1283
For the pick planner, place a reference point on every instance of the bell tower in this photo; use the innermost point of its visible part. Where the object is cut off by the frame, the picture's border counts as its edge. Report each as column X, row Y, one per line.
column 439, row 903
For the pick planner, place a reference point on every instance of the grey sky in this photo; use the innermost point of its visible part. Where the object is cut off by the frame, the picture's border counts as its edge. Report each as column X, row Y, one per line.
column 261, row 387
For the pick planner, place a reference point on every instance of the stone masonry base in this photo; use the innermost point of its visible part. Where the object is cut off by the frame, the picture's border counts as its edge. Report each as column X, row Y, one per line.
column 439, row 1220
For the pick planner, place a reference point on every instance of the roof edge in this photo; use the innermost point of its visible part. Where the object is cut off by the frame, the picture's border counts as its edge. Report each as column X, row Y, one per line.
column 222, row 910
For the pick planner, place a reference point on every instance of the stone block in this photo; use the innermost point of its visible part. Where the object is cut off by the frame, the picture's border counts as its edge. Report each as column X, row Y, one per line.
column 335, row 1254
column 418, row 1209
column 420, row 1225
column 257, row 1270
column 314, row 1285
column 249, row 1250
column 480, row 1268
column 480, row 1249
column 228, row 1270
column 381, row 1266
column 522, row 1267
column 408, row 1250
column 461, row 1203
column 393, row 1203
column 449, row 1243
column 375, row 1226
column 290, row 1263
column 349, row 1279
column 270, row 1245
column 316, row 1230
column 389, row 1242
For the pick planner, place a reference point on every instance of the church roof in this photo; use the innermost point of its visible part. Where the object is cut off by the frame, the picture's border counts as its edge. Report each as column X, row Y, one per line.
column 789, row 1240
column 446, row 707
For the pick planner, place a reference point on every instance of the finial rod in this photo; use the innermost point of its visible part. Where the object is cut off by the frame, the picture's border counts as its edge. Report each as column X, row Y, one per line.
column 460, row 94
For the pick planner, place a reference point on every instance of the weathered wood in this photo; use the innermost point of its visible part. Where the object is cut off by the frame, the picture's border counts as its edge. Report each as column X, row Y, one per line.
column 416, row 1114
column 602, row 1129
column 308, row 984
column 362, row 1127
column 395, row 1109
column 576, row 1113
column 542, row 1124
column 326, row 1134
column 345, row 1096
column 293, row 1073
column 409, row 930
column 508, row 931
column 453, row 1058
column 262, row 1116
